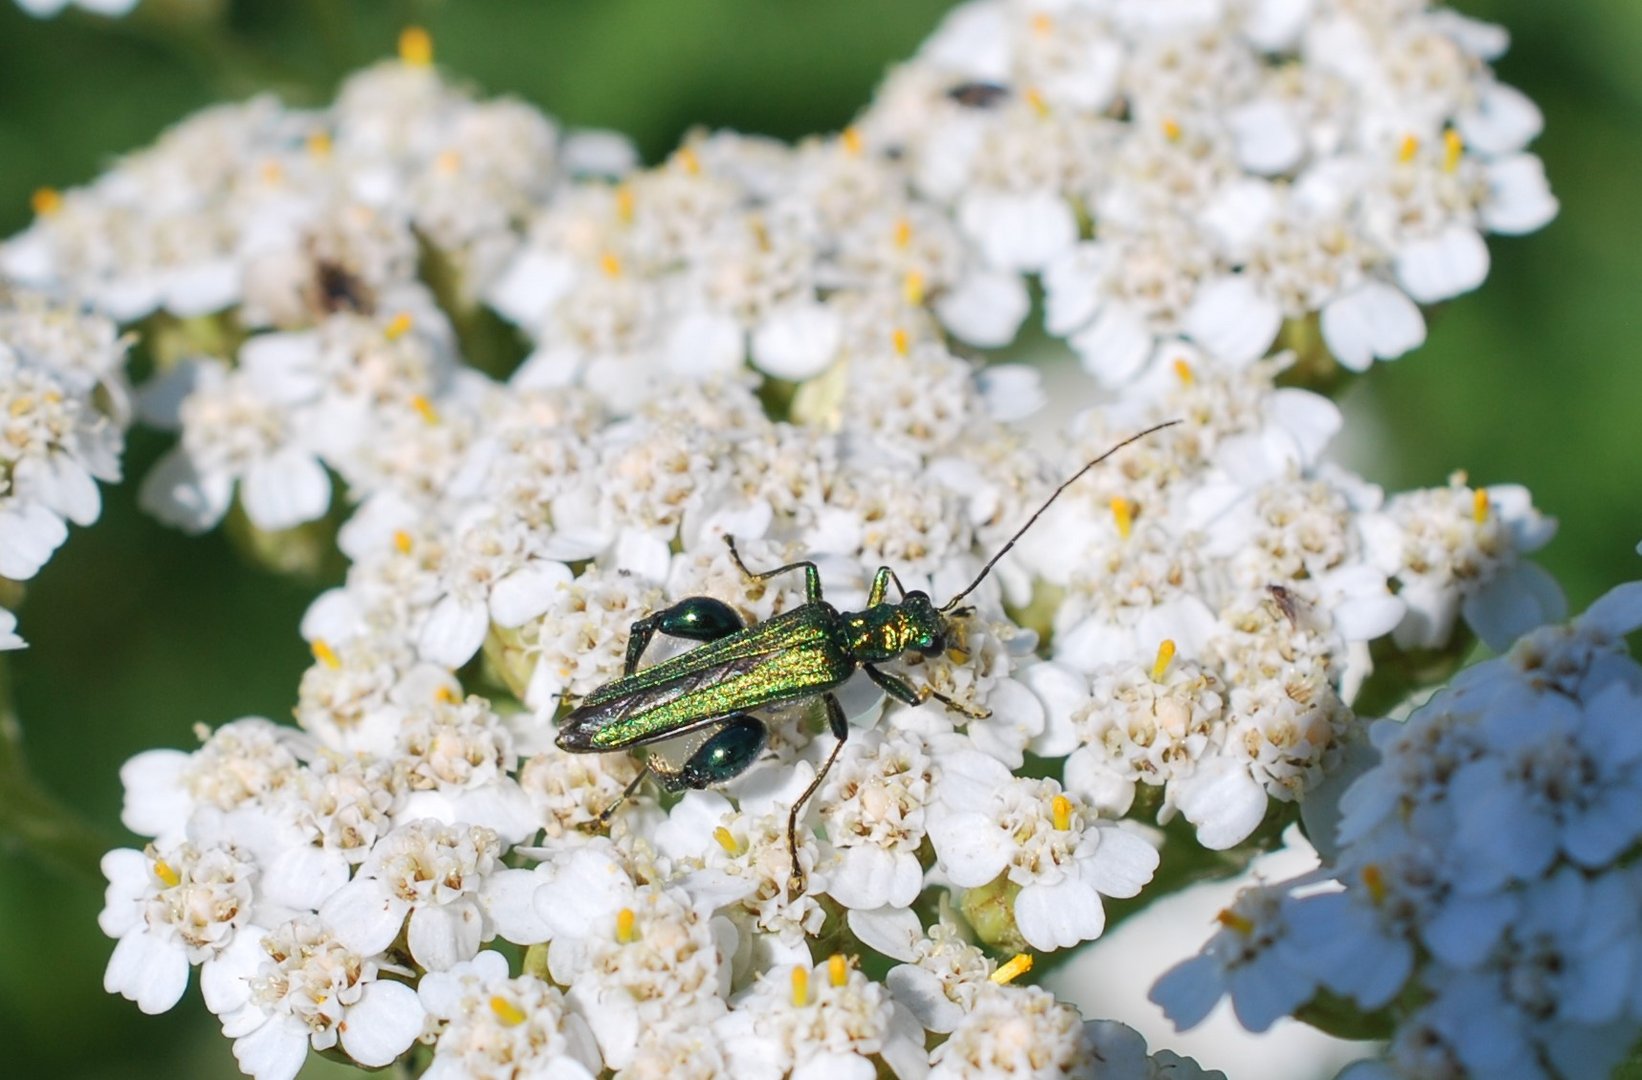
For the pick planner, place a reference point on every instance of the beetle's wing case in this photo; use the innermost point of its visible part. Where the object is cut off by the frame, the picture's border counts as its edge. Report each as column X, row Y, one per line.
column 794, row 655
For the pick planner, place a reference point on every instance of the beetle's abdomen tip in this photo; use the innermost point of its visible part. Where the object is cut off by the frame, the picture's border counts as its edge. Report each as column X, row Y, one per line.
column 575, row 737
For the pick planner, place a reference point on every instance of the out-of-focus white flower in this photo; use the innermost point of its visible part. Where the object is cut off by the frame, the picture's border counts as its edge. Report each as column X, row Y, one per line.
column 1458, row 550
column 44, row 9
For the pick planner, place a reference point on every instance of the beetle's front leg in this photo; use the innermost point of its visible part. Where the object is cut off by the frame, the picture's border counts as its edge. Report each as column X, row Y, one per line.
column 904, row 692
column 839, row 724
column 698, row 618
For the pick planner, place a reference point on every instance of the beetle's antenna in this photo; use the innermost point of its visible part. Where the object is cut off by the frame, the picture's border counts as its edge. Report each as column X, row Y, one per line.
column 1068, row 482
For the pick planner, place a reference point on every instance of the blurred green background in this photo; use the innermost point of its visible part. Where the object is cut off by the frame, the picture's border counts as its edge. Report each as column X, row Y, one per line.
column 1534, row 379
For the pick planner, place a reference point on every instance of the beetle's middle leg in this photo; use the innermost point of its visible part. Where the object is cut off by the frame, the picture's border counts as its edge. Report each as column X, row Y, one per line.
column 904, row 692
column 698, row 618
column 812, row 575
column 840, row 730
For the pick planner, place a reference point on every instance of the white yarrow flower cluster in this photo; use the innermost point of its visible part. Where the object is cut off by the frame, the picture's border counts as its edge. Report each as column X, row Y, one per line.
column 1198, row 176
column 774, row 343
column 64, row 408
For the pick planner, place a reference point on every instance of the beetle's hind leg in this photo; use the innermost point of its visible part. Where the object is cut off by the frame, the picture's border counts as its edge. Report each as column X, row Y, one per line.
column 840, row 729
column 698, row 618
column 626, row 793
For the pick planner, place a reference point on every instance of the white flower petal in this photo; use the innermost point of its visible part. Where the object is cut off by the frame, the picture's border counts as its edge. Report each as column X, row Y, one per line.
column 29, row 533
column 442, row 936
column 364, row 915
column 147, row 970
column 985, row 309
column 971, row 849
column 797, row 342
column 273, row 1051
column 892, row 931
column 382, row 1024
column 285, row 489
column 1233, row 321
column 703, row 344
column 1372, row 321
column 1059, row 916
column 453, row 631
column 1018, row 231
column 1452, row 262
column 1223, row 801
column 527, row 592
column 1115, row 346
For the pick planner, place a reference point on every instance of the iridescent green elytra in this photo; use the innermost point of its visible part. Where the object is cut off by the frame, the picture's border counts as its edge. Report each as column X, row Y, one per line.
column 810, row 651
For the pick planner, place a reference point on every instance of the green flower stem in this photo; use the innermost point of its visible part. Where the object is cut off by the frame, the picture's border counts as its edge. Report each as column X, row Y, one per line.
column 31, row 819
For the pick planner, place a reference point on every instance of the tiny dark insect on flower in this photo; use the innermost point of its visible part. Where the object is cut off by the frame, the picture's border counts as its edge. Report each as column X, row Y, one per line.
column 978, row 95
column 336, row 288
column 708, row 693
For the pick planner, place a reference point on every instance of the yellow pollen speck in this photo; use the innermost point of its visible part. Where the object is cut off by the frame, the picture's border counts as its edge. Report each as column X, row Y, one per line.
column 610, row 263
column 1171, row 128
column 1479, row 506
column 398, row 326
column 325, row 654
column 903, row 232
column 1017, row 966
column 1123, row 515
column 272, row 173
column 167, row 873
column 1165, row 653
column 1374, row 881
column 1453, row 148
column 800, row 985
column 319, row 144
column 838, row 969
column 851, row 139
column 1183, row 371
column 912, row 288
column 448, row 695
column 1408, row 148
column 416, row 46
column 688, row 160
column 626, row 928
column 901, row 340
column 402, row 541
column 1035, row 98
column 1231, row 920
column 1042, row 24
column 424, row 408
column 1061, row 810
column 726, row 840
column 508, row 1013
column 22, row 405
column 46, row 201
column 448, row 162
column 958, row 656
column 624, row 204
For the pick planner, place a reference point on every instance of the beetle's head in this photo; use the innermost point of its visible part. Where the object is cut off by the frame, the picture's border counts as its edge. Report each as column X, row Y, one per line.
column 926, row 626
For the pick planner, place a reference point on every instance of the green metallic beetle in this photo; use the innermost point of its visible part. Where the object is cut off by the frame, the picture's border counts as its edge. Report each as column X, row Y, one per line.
column 708, row 692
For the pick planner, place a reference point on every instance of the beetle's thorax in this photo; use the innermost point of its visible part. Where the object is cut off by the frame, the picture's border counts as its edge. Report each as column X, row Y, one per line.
column 886, row 631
